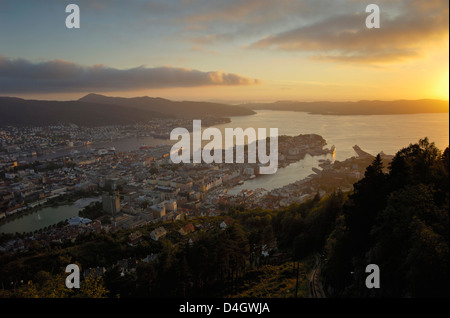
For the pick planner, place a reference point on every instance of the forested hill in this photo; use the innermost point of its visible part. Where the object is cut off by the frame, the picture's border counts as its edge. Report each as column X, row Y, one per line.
column 22, row 112
column 399, row 221
column 99, row 110
column 185, row 109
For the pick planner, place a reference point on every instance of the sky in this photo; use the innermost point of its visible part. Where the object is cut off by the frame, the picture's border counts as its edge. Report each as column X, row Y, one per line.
column 225, row 50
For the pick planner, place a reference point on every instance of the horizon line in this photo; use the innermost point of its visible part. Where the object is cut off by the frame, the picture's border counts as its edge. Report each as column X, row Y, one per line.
column 229, row 102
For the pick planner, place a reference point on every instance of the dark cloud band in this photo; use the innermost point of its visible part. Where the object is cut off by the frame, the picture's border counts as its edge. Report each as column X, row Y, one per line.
column 22, row 76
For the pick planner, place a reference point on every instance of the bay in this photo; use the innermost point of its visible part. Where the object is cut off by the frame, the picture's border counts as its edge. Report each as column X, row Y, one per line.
column 373, row 133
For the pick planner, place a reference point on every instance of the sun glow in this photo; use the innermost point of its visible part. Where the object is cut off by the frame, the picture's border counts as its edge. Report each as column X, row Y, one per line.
column 442, row 89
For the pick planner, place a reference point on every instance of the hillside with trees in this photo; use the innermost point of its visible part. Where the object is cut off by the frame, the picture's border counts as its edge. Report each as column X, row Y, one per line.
column 398, row 220
column 97, row 110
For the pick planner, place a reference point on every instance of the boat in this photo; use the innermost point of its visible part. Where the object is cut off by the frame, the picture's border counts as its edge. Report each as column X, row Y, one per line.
column 361, row 153
column 318, row 171
column 333, row 150
column 143, row 147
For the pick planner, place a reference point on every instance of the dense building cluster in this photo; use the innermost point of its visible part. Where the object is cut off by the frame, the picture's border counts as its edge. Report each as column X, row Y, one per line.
column 142, row 186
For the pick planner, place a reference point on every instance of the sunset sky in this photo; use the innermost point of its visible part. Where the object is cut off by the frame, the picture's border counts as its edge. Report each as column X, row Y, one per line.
column 230, row 51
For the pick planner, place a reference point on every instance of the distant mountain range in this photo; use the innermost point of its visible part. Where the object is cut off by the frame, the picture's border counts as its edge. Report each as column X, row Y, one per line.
column 185, row 109
column 98, row 110
column 363, row 107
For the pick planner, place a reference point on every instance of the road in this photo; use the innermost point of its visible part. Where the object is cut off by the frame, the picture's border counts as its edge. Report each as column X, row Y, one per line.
column 315, row 286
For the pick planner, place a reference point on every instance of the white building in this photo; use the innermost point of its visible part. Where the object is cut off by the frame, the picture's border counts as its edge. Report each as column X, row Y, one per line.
column 76, row 220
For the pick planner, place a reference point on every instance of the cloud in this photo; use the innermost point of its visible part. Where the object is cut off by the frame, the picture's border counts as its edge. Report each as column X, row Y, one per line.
column 211, row 39
column 216, row 21
column 254, row 13
column 404, row 34
column 22, row 76
column 321, row 29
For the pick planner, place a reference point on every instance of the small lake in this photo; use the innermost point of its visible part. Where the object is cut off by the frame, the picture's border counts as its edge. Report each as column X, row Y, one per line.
column 40, row 219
